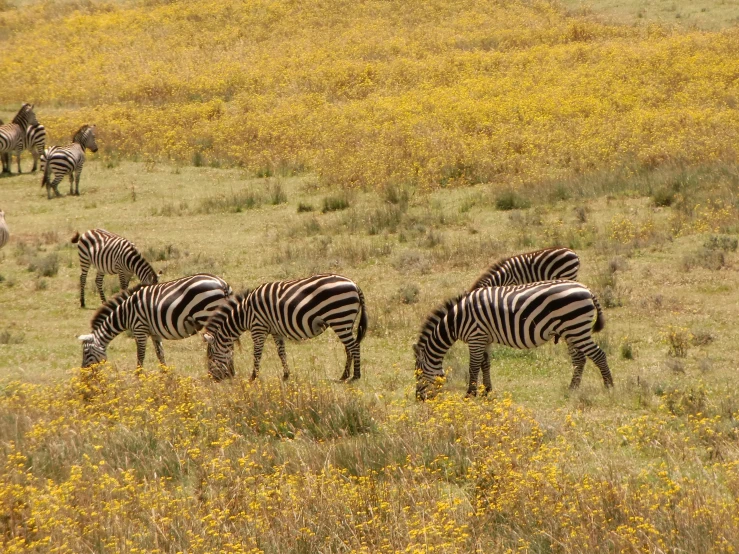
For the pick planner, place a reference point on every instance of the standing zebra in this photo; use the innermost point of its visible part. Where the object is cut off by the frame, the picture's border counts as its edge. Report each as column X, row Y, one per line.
column 12, row 136
column 298, row 309
column 521, row 316
column 4, row 232
column 173, row 310
column 547, row 264
column 63, row 160
column 35, row 141
column 541, row 265
column 110, row 254
column 4, row 157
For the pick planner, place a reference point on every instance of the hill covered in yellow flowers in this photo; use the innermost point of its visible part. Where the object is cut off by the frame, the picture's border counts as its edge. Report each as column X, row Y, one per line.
column 374, row 93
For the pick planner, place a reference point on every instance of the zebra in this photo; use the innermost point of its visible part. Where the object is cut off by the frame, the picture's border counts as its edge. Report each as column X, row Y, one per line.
column 173, row 310
column 4, row 231
column 541, row 265
column 35, row 141
column 519, row 316
column 297, row 309
column 547, row 264
column 4, row 157
column 12, row 136
column 63, row 160
column 110, row 254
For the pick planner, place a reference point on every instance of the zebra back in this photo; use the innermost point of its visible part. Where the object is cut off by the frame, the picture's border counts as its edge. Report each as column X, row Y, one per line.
column 547, row 264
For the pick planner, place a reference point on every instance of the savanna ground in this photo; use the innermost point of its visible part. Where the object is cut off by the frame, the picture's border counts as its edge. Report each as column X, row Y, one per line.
column 347, row 173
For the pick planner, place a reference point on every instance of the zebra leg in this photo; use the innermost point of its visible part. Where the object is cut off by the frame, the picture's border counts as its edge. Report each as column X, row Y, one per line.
column 83, row 280
column 99, row 283
column 71, row 183
column 578, row 360
column 258, row 337
column 477, row 353
column 140, row 337
column 486, row 372
column 54, row 185
column 158, row 349
column 77, row 182
column 346, row 336
column 18, row 155
column 592, row 351
column 123, row 279
column 280, row 342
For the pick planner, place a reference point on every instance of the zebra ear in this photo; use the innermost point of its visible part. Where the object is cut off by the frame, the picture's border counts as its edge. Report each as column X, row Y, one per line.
column 85, row 338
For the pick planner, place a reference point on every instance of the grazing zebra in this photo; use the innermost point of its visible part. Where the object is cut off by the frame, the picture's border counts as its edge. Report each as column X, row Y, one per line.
column 173, row 310
column 4, row 232
column 110, row 254
column 520, row 316
column 540, row 265
column 298, row 309
column 35, row 141
column 12, row 136
column 63, row 160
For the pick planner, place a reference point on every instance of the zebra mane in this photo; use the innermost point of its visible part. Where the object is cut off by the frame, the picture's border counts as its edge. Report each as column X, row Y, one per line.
column 110, row 305
column 437, row 315
column 485, row 274
column 220, row 313
column 20, row 116
column 79, row 135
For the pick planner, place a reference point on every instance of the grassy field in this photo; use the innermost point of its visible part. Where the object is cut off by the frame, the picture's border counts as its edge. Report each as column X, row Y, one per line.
column 406, row 146
column 659, row 249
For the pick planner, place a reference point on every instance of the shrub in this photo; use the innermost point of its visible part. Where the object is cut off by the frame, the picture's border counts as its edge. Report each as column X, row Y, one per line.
column 305, row 208
column 46, row 266
column 277, row 194
column 678, row 340
column 230, row 203
column 408, row 293
column 511, row 200
column 335, row 203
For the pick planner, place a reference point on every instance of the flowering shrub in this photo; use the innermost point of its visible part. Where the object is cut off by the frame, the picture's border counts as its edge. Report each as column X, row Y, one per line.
column 374, row 93
column 158, row 462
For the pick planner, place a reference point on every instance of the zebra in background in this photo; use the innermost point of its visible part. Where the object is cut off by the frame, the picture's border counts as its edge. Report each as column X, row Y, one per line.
column 173, row 310
column 35, row 141
column 547, row 264
column 4, row 231
column 110, row 254
column 63, row 160
column 4, row 157
column 541, row 265
column 12, row 136
column 297, row 309
column 520, row 316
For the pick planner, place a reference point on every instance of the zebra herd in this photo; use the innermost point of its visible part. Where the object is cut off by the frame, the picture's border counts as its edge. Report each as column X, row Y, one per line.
column 26, row 133
column 521, row 302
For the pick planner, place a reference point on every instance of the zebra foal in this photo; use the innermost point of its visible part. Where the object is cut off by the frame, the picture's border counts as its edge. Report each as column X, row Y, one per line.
column 521, row 316
column 13, row 136
column 299, row 309
column 173, row 310
column 110, row 254
column 63, row 160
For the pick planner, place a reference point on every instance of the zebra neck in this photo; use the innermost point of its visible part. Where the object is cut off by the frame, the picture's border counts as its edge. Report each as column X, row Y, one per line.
column 112, row 326
column 441, row 338
column 236, row 322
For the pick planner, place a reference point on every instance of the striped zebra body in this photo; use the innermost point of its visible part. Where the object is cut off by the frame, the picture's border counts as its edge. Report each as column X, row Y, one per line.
column 520, row 316
column 12, row 136
column 541, row 265
column 110, row 254
column 4, row 232
column 298, row 309
column 173, row 310
column 35, row 141
column 62, row 160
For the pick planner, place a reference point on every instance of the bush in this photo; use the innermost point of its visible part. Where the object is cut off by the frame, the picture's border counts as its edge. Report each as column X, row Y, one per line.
column 277, row 194
column 305, row 208
column 511, row 200
column 46, row 266
column 335, row 203
column 231, row 203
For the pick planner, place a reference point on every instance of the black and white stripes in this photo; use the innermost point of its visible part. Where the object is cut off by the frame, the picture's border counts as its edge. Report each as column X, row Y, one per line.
column 35, row 141
column 298, row 309
column 171, row 311
column 541, row 265
column 4, row 232
column 110, row 254
column 13, row 135
column 523, row 316
column 62, row 160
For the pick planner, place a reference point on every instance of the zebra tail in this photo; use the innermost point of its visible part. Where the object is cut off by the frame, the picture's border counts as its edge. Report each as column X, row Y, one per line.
column 45, row 178
column 364, row 319
column 600, row 320
column 76, row 237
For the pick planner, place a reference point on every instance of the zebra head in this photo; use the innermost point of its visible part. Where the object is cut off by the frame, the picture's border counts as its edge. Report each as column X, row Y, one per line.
column 92, row 352
column 85, row 137
column 25, row 116
column 220, row 357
